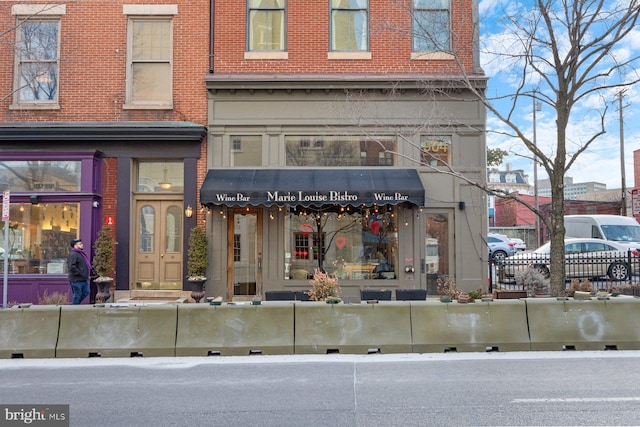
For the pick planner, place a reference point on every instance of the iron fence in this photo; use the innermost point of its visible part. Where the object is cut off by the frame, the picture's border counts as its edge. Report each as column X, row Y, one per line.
column 604, row 270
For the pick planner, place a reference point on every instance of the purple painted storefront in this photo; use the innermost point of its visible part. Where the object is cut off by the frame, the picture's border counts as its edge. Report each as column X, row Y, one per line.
column 39, row 266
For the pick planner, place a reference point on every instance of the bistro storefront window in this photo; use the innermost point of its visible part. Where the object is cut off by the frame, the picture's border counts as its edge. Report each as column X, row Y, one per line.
column 348, row 243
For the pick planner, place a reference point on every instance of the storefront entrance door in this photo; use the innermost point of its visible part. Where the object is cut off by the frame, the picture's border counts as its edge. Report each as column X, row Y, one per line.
column 244, row 254
column 158, row 247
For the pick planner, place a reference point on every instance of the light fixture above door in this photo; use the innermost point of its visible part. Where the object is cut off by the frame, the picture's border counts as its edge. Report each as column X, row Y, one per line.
column 165, row 184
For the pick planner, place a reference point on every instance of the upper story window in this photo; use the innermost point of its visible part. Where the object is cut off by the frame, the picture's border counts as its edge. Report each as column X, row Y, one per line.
column 266, row 30
column 349, row 25
column 246, row 150
column 339, row 151
column 37, row 58
column 150, row 56
column 431, row 26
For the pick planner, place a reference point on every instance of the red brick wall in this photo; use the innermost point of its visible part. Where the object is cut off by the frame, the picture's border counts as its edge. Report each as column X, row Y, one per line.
column 308, row 40
column 93, row 52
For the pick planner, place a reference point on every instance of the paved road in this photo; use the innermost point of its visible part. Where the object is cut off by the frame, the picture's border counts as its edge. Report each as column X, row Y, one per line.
column 533, row 388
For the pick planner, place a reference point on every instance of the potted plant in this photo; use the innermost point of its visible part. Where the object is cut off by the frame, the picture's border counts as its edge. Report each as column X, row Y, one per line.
column 324, row 288
column 197, row 262
column 103, row 263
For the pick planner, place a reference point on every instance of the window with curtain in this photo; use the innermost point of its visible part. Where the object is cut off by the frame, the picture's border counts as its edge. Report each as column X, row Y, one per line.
column 37, row 56
column 150, row 56
column 431, row 26
column 349, row 25
column 266, row 23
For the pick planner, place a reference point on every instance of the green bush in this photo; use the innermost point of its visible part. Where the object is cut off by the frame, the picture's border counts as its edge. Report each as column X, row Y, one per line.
column 197, row 256
column 103, row 259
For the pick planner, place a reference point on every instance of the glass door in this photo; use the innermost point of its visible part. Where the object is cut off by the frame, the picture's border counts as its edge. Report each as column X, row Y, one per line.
column 158, row 250
column 244, row 255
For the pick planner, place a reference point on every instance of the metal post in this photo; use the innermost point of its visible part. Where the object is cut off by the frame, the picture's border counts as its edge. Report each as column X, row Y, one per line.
column 622, row 173
column 536, row 107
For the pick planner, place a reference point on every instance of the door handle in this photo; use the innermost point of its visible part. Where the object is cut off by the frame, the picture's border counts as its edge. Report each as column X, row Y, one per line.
column 260, row 262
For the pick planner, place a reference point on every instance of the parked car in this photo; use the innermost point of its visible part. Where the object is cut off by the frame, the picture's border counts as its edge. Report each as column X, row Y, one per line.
column 520, row 244
column 584, row 258
column 500, row 247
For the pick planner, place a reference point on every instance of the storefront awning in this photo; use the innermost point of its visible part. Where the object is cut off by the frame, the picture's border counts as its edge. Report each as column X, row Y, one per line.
column 311, row 187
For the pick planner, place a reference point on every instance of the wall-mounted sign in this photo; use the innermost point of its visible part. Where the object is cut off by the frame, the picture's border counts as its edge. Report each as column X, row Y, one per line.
column 5, row 205
column 109, row 220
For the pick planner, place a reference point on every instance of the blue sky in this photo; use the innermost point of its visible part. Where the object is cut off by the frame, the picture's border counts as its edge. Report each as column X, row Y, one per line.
column 601, row 162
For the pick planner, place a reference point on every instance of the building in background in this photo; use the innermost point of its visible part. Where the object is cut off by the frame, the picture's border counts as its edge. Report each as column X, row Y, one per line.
column 572, row 191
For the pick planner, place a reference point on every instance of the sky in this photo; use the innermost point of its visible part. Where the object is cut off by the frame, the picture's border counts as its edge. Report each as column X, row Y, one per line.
column 601, row 162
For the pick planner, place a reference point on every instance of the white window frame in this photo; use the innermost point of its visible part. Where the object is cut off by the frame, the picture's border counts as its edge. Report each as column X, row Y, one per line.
column 143, row 12
column 435, row 53
column 266, row 54
column 35, row 12
column 332, row 33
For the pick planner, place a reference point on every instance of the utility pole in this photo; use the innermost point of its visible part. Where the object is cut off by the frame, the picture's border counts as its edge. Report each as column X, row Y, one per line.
column 622, row 173
column 536, row 107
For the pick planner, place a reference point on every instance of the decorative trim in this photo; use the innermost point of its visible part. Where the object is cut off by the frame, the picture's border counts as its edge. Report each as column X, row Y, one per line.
column 266, row 55
column 349, row 55
column 32, row 10
column 149, row 9
column 431, row 56
column 35, row 106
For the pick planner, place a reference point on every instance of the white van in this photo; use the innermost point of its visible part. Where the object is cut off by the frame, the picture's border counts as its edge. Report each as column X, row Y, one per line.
column 620, row 229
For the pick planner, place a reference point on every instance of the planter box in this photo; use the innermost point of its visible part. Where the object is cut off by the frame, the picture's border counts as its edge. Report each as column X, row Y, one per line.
column 411, row 294
column 374, row 294
column 509, row 294
column 280, row 296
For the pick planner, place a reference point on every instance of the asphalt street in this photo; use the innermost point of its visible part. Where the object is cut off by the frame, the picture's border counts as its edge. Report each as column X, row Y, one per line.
column 462, row 389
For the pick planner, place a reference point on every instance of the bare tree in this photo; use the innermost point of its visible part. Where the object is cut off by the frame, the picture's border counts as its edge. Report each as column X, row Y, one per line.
column 568, row 55
column 34, row 39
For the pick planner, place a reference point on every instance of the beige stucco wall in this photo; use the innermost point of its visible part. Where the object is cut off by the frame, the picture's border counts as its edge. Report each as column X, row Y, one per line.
column 329, row 111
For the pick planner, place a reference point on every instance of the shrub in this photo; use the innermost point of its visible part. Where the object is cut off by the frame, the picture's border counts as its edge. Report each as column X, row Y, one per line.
column 532, row 281
column 103, row 258
column 583, row 285
column 56, row 298
column 477, row 294
column 198, row 258
column 323, row 287
column 447, row 288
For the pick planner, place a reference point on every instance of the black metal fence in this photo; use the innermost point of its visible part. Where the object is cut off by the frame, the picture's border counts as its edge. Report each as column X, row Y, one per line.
column 604, row 270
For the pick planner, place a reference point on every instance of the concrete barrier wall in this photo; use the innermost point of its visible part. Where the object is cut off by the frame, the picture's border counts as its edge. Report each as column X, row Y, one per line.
column 117, row 330
column 584, row 324
column 235, row 330
column 481, row 326
column 29, row 332
column 322, row 328
column 282, row 327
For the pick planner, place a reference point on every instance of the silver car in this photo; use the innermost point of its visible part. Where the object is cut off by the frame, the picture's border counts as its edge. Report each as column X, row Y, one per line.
column 584, row 258
column 500, row 247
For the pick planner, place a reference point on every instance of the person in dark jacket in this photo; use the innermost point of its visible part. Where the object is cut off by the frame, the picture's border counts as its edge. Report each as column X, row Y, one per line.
column 79, row 269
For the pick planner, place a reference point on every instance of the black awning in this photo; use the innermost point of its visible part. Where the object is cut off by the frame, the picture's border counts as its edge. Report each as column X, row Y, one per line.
column 311, row 187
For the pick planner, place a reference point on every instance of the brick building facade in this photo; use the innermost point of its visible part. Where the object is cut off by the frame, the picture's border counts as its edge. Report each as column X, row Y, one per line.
column 128, row 112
